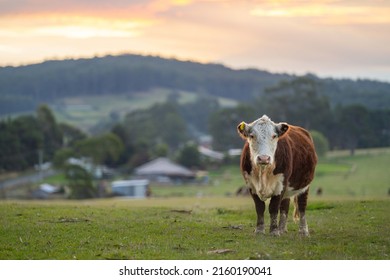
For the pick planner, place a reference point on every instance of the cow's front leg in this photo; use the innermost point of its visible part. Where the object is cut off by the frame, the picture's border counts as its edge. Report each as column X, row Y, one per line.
column 284, row 207
column 260, row 208
column 273, row 211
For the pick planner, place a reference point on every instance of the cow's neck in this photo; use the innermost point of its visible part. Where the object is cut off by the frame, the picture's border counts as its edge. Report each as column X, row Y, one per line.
column 265, row 183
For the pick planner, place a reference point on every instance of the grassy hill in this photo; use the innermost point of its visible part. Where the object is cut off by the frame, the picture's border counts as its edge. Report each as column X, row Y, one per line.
column 23, row 88
column 86, row 112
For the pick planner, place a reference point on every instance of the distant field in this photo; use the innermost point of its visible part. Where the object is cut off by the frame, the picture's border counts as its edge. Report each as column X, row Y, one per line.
column 87, row 111
column 188, row 228
column 365, row 175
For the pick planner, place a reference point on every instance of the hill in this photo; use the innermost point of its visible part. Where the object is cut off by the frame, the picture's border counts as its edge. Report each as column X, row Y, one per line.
column 23, row 88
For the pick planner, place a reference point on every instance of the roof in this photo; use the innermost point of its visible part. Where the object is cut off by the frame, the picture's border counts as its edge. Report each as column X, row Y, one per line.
column 210, row 153
column 163, row 167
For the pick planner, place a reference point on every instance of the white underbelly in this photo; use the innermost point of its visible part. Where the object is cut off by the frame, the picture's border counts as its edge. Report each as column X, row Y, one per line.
column 292, row 192
column 266, row 185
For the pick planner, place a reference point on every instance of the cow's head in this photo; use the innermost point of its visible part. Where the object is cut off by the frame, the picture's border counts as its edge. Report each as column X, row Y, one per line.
column 262, row 136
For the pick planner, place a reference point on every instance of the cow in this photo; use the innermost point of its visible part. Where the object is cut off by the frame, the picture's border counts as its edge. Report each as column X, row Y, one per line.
column 278, row 161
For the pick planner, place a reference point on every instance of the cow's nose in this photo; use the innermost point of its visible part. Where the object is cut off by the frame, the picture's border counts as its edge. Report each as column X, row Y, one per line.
column 263, row 159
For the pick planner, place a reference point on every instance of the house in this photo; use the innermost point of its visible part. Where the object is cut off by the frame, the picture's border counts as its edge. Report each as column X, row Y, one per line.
column 131, row 188
column 163, row 170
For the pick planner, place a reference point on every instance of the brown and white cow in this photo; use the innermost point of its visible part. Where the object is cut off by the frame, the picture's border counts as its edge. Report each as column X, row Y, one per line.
column 277, row 162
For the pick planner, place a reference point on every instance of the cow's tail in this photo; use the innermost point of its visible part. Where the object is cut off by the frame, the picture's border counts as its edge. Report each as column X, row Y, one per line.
column 296, row 211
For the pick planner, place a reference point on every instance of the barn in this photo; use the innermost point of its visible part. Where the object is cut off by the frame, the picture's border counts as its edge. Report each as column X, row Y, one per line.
column 163, row 170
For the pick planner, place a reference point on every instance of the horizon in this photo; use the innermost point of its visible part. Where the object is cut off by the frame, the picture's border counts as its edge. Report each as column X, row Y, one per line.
column 330, row 39
column 195, row 61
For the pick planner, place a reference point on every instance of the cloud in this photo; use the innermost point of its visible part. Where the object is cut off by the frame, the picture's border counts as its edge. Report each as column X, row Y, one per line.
column 279, row 35
column 14, row 7
column 327, row 12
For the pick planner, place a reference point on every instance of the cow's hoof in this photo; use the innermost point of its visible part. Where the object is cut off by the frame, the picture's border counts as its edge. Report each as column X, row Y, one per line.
column 259, row 231
column 283, row 231
column 304, row 232
column 275, row 232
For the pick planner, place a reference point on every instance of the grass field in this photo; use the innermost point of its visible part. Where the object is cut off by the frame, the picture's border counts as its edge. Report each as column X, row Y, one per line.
column 349, row 221
column 365, row 175
column 188, row 228
column 86, row 112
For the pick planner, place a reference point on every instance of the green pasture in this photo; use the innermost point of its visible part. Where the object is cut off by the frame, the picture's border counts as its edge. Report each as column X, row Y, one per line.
column 188, row 228
column 86, row 112
column 364, row 175
column 350, row 220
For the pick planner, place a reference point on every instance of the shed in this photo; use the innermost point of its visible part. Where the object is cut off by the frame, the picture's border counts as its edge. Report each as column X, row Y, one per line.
column 130, row 188
column 161, row 168
column 46, row 191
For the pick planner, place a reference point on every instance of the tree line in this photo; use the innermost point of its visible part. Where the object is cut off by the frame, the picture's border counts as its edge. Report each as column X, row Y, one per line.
column 172, row 129
column 299, row 103
column 24, row 88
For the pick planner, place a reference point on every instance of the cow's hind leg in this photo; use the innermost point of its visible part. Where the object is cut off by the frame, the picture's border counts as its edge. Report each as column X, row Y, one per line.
column 284, row 207
column 301, row 203
column 260, row 208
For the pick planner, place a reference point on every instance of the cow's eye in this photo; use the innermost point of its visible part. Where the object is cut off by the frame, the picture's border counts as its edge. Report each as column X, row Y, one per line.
column 274, row 136
column 251, row 136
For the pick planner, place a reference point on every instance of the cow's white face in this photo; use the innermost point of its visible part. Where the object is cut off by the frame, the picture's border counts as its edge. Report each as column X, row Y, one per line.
column 262, row 136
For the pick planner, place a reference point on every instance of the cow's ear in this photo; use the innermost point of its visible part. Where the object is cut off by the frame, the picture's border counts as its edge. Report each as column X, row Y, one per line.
column 281, row 128
column 242, row 129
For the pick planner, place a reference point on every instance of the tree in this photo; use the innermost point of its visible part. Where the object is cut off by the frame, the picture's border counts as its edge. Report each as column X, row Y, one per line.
column 161, row 150
column 189, row 156
column 223, row 126
column 141, row 154
column 353, row 126
column 71, row 134
column 197, row 113
column 380, row 129
column 61, row 156
column 11, row 157
column 161, row 123
column 120, row 130
column 297, row 102
column 105, row 148
column 52, row 134
column 320, row 142
column 79, row 182
column 20, row 141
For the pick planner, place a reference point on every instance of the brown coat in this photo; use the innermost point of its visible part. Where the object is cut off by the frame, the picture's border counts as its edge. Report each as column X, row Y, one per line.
column 295, row 157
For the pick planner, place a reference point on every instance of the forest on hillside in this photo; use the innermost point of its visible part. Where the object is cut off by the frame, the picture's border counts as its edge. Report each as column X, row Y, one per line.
column 344, row 114
column 174, row 130
column 24, row 88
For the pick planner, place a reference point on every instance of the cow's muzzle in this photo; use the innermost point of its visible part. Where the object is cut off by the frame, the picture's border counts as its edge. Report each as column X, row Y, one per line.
column 263, row 160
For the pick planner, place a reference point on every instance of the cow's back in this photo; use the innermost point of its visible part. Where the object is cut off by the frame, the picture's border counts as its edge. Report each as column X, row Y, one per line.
column 295, row 157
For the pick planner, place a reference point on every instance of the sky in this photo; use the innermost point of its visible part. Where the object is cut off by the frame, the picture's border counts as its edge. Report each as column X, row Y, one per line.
column 329, row 38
